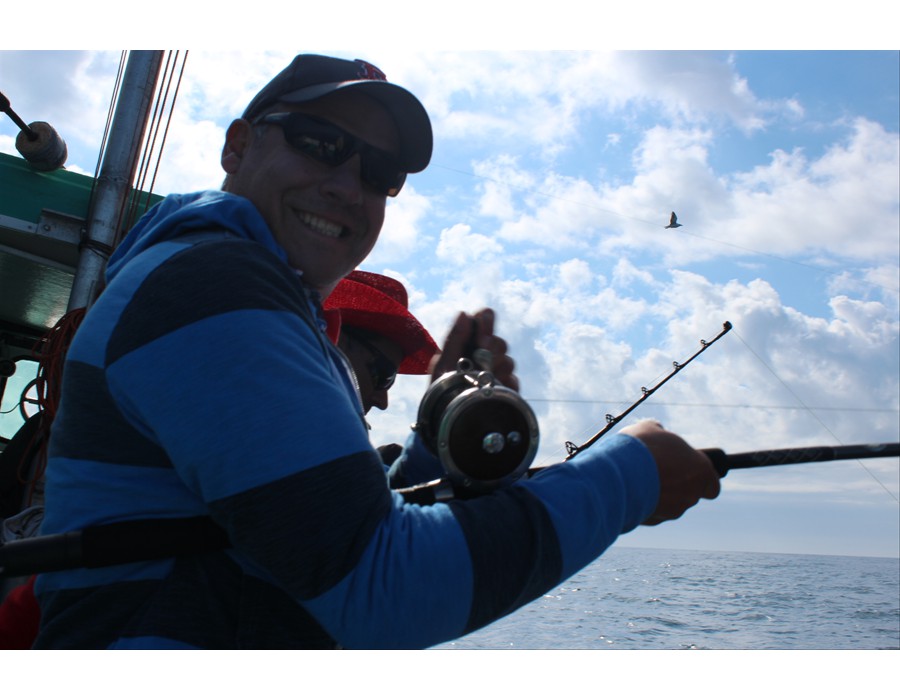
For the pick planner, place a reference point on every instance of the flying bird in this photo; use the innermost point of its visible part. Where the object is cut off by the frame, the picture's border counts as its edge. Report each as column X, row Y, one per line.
column 673, row 221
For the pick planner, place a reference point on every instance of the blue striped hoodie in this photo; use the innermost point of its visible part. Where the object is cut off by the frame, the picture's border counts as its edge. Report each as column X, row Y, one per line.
column 201, row 383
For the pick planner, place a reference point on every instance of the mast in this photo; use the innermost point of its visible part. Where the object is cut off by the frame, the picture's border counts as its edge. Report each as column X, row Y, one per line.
column 116, row 174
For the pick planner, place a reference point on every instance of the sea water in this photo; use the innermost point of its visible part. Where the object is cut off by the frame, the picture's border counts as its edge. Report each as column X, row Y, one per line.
column 634, row 598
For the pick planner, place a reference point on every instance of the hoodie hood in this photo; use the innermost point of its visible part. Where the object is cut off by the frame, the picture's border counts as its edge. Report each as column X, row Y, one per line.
column 182, row 214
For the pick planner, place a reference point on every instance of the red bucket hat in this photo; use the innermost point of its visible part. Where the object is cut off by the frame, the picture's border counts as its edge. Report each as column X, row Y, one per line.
column 380, row 304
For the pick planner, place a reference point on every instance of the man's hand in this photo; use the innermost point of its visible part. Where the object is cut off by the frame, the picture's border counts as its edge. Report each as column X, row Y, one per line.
column 685, row 474
column 474, row 332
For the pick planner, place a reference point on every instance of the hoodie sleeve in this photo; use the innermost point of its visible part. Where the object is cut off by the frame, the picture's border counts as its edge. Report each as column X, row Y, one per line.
column 415, row 465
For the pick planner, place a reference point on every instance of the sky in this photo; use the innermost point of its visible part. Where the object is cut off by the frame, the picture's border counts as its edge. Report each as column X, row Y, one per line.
column 552, row 179
column 565, row 134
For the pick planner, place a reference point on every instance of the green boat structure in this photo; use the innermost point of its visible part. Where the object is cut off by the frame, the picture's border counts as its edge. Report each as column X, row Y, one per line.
column 57, row 229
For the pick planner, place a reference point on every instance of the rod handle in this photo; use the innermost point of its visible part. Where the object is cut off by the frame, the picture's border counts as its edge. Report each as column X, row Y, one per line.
column 113, row 543
column 798, row 455
column 719, row 460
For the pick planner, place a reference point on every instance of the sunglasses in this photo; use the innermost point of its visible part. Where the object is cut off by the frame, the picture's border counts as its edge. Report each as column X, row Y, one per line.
column 382, row 371
column 329, row 144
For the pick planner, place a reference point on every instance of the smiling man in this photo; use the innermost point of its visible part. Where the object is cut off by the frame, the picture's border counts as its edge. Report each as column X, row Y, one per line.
column 324, row 197
column 202, row 384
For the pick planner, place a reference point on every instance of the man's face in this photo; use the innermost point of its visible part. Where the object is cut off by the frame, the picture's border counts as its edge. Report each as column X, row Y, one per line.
column 324, row 217
column 370, row 357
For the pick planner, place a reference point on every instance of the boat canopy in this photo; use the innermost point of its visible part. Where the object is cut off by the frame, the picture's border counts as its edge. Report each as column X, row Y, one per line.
column 43, row 219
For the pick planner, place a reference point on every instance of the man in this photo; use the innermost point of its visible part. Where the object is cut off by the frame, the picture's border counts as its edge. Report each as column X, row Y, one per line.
column 209, row 339
column 369, row 319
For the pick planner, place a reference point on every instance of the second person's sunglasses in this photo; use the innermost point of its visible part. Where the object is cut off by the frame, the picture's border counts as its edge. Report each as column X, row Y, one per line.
column 382, row 371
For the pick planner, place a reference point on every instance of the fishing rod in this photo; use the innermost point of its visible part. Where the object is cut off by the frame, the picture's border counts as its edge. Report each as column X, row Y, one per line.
column 441, row 490
column 798, row 455
column 142, row 540
column 463, row 481
column 467, row 396
column 486, row 435
column 646, row 393
column 122, row 542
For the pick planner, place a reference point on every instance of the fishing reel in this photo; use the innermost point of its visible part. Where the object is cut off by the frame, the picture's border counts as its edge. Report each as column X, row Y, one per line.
column 484, row 434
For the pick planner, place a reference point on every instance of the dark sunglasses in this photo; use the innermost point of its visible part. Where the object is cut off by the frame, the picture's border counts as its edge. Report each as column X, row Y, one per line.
column 329, row 144
column 382, row 371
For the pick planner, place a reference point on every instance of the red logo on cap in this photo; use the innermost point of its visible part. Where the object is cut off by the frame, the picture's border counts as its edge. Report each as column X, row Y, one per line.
column 369, row 72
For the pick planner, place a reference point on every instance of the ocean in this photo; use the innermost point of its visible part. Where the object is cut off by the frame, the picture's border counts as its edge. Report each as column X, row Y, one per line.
column 664, row 599
column 580, row 640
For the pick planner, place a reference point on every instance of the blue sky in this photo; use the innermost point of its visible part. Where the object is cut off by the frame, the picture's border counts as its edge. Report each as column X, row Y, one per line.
column 553, row 175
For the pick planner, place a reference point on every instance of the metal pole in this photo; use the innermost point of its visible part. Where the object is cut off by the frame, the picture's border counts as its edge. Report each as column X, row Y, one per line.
column 116, row 174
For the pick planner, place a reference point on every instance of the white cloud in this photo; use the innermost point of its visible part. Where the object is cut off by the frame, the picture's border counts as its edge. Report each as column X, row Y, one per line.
column 575, row 275
column 458, row 245
column 70, row 90
column 192, row 153
column 402, row 234
column 541, row 97
column 843, row 204
column 503, row 179
column 625, row 273
column 562, row 213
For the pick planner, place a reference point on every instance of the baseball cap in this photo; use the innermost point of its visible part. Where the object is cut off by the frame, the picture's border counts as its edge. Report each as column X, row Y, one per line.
column 310, row 76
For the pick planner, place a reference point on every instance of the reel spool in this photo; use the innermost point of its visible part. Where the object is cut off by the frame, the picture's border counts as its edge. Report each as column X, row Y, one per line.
column 484, row 434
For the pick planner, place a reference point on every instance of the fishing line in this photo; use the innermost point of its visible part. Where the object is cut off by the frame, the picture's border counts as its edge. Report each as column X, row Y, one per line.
column 812, row 413
column 621, row 402
column 168, row 120
column 156, row 121
column 105, row 138
column 109, row 116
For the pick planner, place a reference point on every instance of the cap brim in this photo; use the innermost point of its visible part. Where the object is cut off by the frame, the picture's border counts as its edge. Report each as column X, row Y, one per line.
column 413, row 124
column 366, row 307
column 417, row 345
